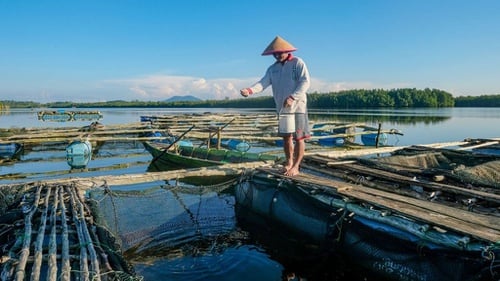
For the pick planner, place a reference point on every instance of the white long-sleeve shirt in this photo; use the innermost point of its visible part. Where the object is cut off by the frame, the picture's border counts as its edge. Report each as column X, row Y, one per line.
column 290, row 78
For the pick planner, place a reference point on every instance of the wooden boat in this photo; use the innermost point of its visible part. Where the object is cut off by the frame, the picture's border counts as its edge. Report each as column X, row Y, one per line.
column 168, row 156
column 400, row 221
column 68, row 115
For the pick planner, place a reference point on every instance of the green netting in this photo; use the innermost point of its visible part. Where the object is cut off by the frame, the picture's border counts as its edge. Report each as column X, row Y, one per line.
column 233, row 156
column 200, row 152
column 216, row 154
column 186, row 150
column 164, row 216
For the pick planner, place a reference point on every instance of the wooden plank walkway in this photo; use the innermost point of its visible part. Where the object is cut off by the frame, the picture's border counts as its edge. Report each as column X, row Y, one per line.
column 480, row 226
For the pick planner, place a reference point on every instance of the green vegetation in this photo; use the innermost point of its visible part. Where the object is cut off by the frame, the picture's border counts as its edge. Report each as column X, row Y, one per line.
column 478, row 101
column 373, row 98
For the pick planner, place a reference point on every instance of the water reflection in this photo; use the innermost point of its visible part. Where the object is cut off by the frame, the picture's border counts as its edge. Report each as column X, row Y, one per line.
column 378, row 117
column 51, row 160
column 174, row 231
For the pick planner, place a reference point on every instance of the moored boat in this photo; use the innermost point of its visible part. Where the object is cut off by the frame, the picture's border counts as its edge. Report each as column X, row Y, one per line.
column 10, row 150
column 374, row 139
column 233, row 144
column 168, row 156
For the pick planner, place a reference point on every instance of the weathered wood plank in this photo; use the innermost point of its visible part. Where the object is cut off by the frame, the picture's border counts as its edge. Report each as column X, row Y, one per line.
column 90, row 182
column 434, row 215
column 481, row 226
column 433, row 185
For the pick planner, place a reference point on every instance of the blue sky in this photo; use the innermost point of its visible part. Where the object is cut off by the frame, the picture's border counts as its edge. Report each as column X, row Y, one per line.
column 98, row 50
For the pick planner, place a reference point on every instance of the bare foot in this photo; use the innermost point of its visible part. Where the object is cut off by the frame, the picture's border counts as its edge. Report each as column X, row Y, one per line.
column 287, row 167
column 292, row 172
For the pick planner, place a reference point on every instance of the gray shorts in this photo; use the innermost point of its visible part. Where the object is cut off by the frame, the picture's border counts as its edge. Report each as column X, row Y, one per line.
column 294, row 123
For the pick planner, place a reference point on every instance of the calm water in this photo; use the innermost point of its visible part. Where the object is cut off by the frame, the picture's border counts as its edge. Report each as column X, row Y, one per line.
column 420, row 126
column 240, row 247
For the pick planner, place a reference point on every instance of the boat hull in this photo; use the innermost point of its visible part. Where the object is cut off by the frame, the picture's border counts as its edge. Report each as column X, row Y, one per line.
column 10, row 150
column 197, row 157
column 371, row 139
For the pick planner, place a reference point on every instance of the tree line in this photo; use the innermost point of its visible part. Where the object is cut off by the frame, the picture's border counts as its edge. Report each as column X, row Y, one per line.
column 358, row 98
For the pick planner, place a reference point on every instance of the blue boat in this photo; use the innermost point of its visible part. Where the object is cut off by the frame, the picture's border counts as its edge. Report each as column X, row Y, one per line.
column 162, row 137
column 10, row 150
column 233, row 144
column 371, row 139
column 325, row 140
column 147, row 118
column 79, row 154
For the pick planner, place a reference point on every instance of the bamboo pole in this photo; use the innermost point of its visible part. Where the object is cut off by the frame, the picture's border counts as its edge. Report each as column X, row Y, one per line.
column 38, row 255
column 25, row 251
column 85, row 183
column 368, row 151
column 65, row 257
column 52, row 262
column 84, row 270
column 94, row 262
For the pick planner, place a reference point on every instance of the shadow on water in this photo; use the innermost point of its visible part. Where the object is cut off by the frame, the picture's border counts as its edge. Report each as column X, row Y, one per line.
column 301, row 257
column 177, row 231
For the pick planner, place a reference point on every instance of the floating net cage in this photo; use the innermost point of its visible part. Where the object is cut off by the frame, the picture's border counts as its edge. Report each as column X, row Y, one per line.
column 166, row 218
column 61, row 231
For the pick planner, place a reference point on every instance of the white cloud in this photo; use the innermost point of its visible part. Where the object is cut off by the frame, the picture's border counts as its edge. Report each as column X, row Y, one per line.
column 160, row 87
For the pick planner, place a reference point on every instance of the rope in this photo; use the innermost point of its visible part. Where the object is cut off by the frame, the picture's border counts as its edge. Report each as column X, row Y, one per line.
column 340, row 222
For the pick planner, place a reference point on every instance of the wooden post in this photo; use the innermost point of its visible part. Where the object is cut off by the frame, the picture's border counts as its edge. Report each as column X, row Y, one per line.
column 218, row 137
column 378, row 135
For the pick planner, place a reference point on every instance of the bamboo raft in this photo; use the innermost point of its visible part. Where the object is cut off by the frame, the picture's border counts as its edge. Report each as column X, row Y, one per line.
column 251, row 127
column 68, row 115
column 58, row 242
column 49, row 230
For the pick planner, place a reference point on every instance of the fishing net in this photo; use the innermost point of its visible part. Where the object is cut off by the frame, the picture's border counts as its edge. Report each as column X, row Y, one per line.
column 463, row 167
column 153, row 219
column 482, row 174
column 423, row 161
column 96, row 233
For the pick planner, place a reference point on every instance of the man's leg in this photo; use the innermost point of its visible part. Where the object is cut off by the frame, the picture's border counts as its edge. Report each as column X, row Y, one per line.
column 298, row 152
column 289, row 151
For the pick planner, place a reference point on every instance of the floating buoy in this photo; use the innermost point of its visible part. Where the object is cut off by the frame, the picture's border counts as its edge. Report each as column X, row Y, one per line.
column 78, row 154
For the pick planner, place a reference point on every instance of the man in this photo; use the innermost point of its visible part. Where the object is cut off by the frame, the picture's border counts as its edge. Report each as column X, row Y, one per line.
column 289, row 80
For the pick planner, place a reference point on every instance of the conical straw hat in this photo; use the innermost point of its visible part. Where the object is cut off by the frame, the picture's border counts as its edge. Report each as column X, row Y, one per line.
column 279, row 45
